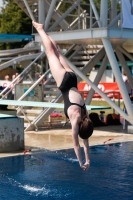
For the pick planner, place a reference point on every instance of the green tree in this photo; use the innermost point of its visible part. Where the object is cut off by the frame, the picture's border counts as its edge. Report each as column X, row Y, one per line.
column 13, row 21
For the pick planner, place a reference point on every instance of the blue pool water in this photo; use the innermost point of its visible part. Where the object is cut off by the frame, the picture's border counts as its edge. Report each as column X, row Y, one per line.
column 56, row 175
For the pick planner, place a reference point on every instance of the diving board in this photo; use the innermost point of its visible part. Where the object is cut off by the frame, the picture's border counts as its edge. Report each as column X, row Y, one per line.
column 15, row 38
column 46, row 104
column 6, row 116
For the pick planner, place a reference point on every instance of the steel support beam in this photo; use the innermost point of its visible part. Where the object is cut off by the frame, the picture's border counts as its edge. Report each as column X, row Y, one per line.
column 125, row 66
column 97, row 79
column 70, row 49
column 50, row 13
column 104, row 13
column 64, row 15
column 41, row 11
column 29, row 10
column 34, row 85
column 116, row 71
column 75, row 52
column 95, row 12
column 87, row 68
column 125, row 52
column 113, row 22
column 44, row 114
column 56, row 15
column 113, row 10
column 91, row 18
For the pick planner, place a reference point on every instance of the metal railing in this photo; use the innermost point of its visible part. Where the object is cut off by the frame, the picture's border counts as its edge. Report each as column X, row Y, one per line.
column 8, row 89
column 83, row 16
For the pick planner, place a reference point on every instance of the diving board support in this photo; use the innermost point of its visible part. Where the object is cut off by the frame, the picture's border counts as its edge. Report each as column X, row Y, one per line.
column 113, row 11
column 45, row 113
column 130, row 129
column 50, row 13
column 87, row 68
column 114, row 21
column 116, row 70
column 33, row 86
column 41, row 12
column 125, row 66
column 97, row 79
column 104, row 13
column 11, row 133
column 29, row 10
column 74, row 5
column 125, row 52
column 95, row 12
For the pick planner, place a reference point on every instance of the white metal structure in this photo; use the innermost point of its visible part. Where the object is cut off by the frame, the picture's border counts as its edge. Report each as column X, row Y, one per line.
column 84, row 27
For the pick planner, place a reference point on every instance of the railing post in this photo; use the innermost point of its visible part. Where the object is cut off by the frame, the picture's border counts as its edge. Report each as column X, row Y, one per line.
column 119, row 99
column 79, row 18
column 114, row 102
column 41, row 11
column 113, row 11
column 91, row 19
column 104, row 13
column 29, row 10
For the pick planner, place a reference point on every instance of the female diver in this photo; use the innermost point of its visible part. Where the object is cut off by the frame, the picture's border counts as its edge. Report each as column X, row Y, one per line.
column 74, row 107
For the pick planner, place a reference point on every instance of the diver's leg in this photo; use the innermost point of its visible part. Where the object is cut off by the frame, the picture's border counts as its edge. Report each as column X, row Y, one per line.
column 52, row 54
column 63, row 62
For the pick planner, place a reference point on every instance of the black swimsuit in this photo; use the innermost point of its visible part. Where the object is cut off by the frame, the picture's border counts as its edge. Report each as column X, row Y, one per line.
column 69, row 81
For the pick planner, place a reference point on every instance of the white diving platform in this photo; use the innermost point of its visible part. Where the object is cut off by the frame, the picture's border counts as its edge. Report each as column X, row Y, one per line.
column 93, row 36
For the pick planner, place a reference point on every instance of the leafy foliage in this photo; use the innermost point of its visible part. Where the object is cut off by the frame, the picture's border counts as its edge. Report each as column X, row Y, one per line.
column 13, row 21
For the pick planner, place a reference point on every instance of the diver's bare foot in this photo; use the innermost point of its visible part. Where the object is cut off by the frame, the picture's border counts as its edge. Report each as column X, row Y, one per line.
column 38, row 26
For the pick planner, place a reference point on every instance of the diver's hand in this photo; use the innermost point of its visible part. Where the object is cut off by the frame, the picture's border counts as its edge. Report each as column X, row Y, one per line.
column 85, row 166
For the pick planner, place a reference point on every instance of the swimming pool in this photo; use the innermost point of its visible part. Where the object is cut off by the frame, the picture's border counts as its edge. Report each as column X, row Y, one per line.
column 56, row 175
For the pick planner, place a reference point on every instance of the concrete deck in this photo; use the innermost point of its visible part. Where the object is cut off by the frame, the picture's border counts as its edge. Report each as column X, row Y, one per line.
column 55, row 139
